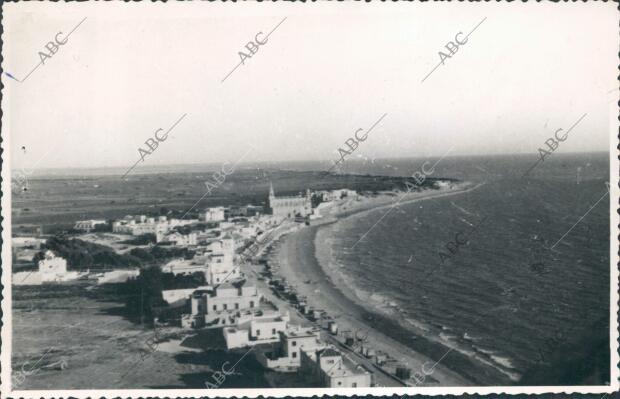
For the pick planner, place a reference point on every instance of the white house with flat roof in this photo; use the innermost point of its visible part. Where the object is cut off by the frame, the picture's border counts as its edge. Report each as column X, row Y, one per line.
column 286, row 356
column 184, row 266
column 255, row 327
column 329, row 368
column 52, row 267
column 88, row 225
column 221, row 305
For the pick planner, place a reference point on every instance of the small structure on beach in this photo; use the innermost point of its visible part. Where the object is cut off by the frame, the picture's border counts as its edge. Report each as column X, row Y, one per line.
column 332, row 327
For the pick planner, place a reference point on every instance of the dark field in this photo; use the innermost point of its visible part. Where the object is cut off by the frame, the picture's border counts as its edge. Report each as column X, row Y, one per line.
column 76, row 336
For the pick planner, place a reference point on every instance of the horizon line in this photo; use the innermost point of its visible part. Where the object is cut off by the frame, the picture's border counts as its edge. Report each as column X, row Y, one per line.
column 195, row 164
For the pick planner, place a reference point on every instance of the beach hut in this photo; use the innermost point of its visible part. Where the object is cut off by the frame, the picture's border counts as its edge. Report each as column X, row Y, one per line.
column 317, row 313
column 368, row 351
column 380, row 358
column 402, row 372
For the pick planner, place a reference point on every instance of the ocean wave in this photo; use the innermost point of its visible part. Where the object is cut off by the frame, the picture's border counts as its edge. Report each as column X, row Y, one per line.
column 418, row 324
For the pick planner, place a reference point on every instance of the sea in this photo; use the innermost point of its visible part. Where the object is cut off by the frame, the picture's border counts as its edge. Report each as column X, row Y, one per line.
column 512, row 276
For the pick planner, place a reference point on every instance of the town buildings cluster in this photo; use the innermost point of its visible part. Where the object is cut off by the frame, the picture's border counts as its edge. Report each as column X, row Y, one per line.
column 228, row 300
column 246, row 319
column 230, row 303
column 140, row 225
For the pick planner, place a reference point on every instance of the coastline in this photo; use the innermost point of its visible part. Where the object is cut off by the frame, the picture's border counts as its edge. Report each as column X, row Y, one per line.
column 300, row 259
column 384, row 200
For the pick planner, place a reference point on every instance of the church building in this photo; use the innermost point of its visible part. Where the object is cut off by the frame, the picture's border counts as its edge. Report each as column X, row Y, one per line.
column 289, row 206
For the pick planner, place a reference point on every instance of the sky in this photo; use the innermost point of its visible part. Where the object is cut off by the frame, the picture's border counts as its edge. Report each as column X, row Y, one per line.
column 328, row 70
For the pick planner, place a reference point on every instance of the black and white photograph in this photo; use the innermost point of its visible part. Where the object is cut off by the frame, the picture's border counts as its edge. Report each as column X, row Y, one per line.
column 227, row 199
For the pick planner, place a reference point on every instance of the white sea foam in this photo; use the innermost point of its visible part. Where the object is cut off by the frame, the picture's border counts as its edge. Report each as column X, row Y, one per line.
column 469, row 337
column 485, row 351
column 466, row 222
column 502, row 360
column 447, row 338
column 417, row 324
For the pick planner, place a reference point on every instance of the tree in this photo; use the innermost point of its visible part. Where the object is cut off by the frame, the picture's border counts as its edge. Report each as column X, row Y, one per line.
column 142, row 254
column 146, row 294
column 82, row 255
column 316, row 199
column 103, row 228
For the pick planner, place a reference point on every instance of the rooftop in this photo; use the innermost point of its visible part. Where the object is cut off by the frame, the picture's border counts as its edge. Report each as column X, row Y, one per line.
column 233, row 284
column 329, row 351
column 269, row 319
column 344, row 368
column 300, row 332
column 200, row 291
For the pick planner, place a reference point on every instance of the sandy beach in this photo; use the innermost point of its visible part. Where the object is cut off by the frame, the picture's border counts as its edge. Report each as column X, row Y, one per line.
column 297, row 259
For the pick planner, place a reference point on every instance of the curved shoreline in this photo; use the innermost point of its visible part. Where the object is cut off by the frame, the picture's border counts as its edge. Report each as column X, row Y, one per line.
column 300, row 264
column 431, row 195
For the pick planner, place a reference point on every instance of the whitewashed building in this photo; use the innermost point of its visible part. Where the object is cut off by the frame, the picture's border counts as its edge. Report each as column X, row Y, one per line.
column 178, row 239
column 221, row 269
column 331, row 369
column 286, row 356
column 216, row 214
column 179, row 296
column 335, row 195
column 255, row 327
column 52, row 267
column 220, row 261
column 184, row 266
column 221, row 305
column 88, row 225
column 139, row 225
